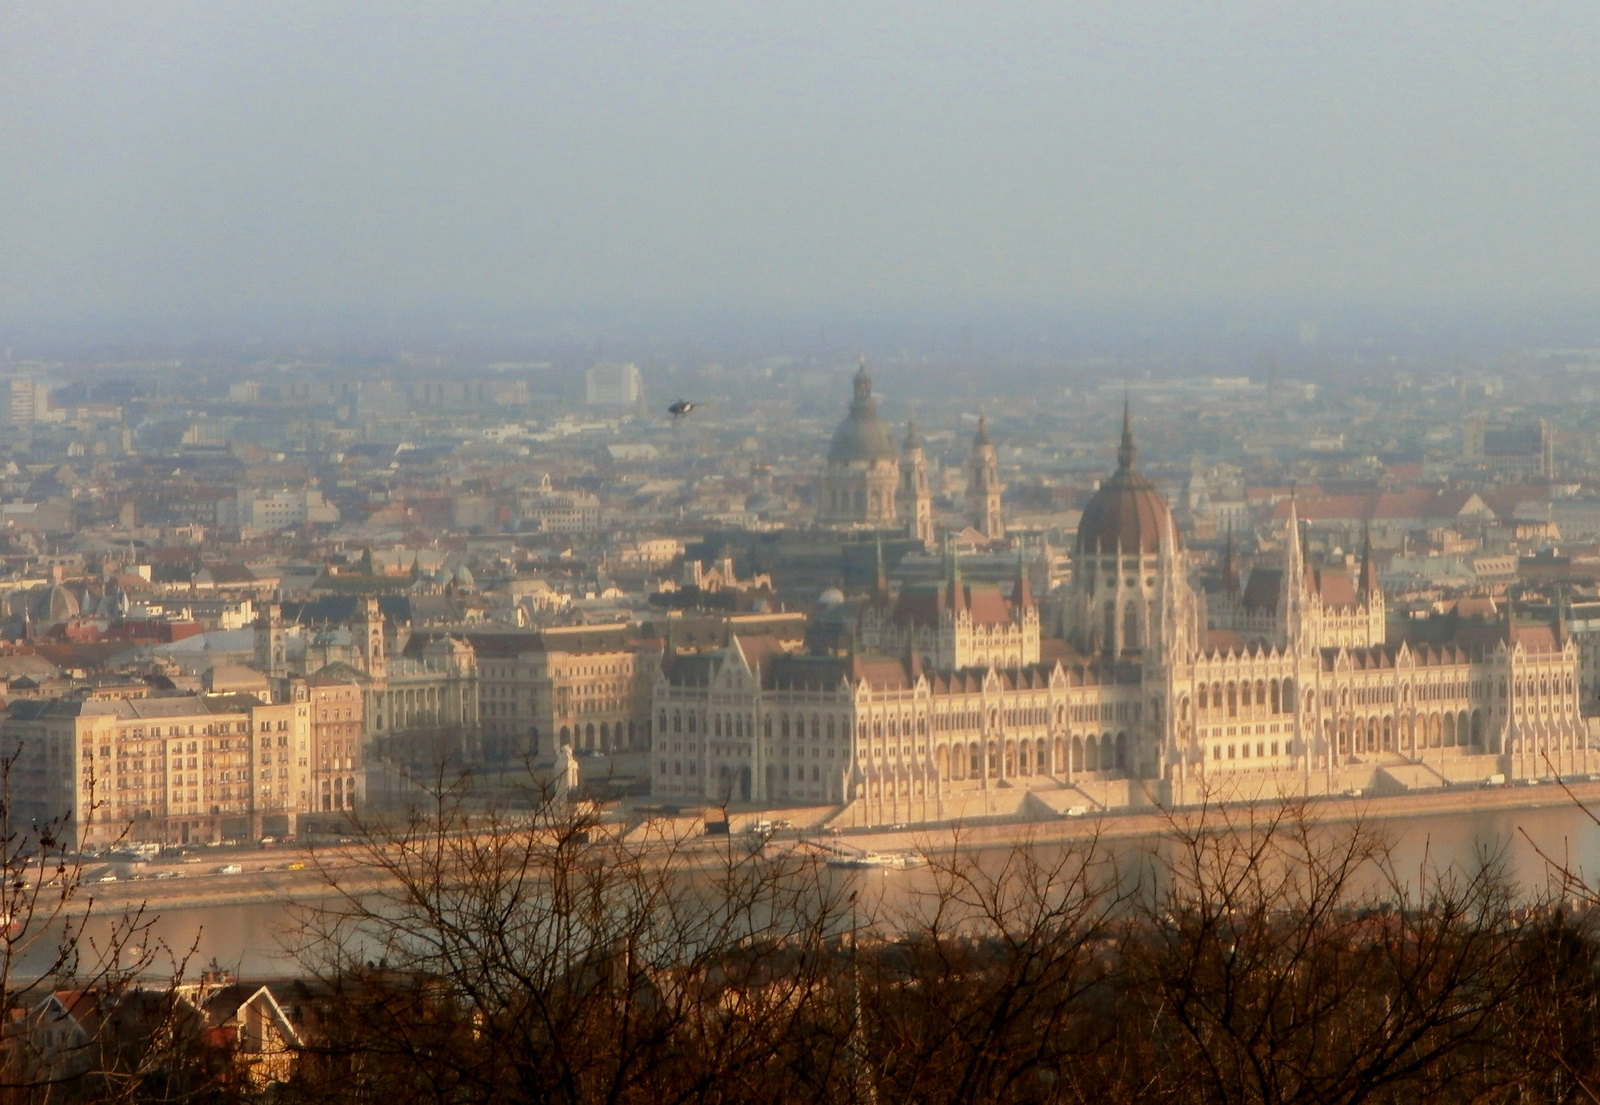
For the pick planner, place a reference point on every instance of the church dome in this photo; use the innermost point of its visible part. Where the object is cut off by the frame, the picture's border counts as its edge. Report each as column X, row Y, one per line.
column 54, row 605
column 1127, row 514
column 862, row 436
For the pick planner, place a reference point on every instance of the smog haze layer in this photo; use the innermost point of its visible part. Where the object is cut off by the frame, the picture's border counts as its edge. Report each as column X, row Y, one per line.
column 201, row 162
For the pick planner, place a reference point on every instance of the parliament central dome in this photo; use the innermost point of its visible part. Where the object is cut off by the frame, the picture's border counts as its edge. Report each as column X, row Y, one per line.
column 862, row 437
column 1127, row 515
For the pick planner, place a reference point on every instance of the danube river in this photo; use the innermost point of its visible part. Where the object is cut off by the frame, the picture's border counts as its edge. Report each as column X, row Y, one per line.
column 253, row 939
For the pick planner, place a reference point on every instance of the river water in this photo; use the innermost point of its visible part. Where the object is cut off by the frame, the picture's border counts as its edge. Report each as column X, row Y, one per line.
column 254, row 940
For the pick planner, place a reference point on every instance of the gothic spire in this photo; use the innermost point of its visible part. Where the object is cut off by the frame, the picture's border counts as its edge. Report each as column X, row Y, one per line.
column 1230, row 573
column 955, row 591
column 1022, row 590
column 880, row 588
column 1367, row 583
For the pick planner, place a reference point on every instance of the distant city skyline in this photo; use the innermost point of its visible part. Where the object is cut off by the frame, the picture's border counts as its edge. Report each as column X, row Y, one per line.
column 176, row 161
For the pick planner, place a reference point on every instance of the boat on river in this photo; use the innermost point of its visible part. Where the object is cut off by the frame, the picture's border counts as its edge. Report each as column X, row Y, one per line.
column 887, row 861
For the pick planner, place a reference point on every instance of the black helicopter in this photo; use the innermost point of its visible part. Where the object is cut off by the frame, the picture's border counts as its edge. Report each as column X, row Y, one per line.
column 680, row 408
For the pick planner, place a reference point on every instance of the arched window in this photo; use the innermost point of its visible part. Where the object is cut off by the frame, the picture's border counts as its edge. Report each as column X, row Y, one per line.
column 1277, row 699
column 1233, row 700
column 1201, row 704
column 1077, row 753
column 1288, row 696
column 1122, row 752
column 1091, row 753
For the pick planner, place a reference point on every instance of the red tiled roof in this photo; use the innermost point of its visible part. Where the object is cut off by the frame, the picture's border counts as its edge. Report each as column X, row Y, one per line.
column 1536, row 638
column 1334, row 587
column 988, row 606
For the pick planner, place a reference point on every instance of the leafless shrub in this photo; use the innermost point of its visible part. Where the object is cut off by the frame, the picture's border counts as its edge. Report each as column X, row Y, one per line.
column 1251, row 954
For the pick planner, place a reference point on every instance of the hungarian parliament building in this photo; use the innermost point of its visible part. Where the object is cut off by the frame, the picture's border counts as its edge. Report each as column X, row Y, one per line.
column 1131, row 686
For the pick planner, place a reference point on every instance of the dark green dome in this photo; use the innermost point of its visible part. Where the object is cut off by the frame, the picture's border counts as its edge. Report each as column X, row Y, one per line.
column 862, row 436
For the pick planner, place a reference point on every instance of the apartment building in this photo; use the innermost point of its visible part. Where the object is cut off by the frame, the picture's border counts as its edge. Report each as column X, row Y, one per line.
column 163, row 769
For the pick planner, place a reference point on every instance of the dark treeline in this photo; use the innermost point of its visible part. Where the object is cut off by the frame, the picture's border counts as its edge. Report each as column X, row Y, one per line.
column 1253, row 957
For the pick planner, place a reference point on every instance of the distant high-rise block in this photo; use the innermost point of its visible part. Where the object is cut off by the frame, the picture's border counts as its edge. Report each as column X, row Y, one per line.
column 27, row 402
column 613, row 384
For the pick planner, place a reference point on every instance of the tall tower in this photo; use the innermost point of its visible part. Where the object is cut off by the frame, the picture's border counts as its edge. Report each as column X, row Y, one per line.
column 984, row 487
column 916, row 498
column 372, row 652
column 269, row 642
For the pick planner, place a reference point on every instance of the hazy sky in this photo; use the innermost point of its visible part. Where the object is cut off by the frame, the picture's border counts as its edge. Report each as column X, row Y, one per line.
column 224, row 159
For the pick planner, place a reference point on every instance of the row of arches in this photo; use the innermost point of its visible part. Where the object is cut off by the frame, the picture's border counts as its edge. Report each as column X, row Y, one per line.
column 1277, row 696
column 971, row 760
column 739, row 726
column 604, row 738
column 1358, row 736
column 993, row 760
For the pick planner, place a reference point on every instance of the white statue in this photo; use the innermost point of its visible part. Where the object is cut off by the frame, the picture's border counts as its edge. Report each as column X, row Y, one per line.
column 566, row 772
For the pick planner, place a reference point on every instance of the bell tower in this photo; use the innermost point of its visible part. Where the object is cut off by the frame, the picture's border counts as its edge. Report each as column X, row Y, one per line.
column 372, row 651
column 916, row 498
column 984, row 487
column 270, row 652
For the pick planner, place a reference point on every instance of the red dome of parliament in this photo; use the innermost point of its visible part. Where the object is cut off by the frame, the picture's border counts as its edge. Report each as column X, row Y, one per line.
column 1127, row 515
